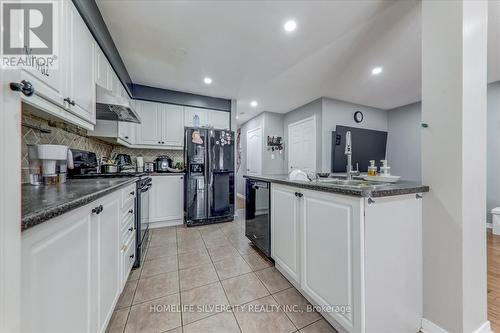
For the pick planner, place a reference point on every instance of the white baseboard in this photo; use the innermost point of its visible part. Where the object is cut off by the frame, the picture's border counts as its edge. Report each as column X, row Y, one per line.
column 484, row 328
column 171, row 223
column 429, row 327
column 239, row 195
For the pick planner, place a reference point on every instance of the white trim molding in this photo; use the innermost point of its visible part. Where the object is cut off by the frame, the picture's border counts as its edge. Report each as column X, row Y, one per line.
column 429, row 327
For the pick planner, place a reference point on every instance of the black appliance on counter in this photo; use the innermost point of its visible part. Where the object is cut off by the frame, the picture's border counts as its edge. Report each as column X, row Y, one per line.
column 209, row 185
column 258, row 214
column 86, row 167
column 163, row 163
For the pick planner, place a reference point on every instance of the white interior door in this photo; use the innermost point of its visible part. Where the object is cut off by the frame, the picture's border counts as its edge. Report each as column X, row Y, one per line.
column 302, row 145
column 254, row 151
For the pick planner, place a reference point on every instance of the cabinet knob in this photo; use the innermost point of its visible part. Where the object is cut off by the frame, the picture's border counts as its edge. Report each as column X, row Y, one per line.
column 126, row 137
column 70, row 101
column 132, row 256
column 130, row 229
column 25, row 87
column 131, row 211
column 159, row 142
column 163, row 142
column 132, row 193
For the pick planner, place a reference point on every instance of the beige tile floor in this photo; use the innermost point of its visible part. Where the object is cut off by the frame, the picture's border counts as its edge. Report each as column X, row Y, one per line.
column 213, row 267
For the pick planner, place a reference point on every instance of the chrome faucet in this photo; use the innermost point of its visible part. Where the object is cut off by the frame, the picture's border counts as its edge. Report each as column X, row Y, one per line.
column 348, row 153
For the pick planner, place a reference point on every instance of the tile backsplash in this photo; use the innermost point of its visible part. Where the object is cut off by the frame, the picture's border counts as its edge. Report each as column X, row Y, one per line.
column 61, row 134
column 74, row 137
column 149, row 155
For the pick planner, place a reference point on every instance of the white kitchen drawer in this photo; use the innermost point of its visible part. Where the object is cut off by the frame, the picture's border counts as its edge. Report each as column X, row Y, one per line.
column 128, row 210
column 128, row 195
column 128, row 258
column 127, row 229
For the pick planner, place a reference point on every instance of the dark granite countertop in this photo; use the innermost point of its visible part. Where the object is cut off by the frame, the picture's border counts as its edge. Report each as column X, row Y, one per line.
column 42, row 203
column 391, row 189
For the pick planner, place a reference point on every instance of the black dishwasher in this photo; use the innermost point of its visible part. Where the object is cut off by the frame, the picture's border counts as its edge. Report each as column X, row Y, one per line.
column 257, row 214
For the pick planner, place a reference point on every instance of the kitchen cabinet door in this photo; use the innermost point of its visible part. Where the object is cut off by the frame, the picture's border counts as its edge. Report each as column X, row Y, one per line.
column 106, row 232
column 173, row 125
column 49, row 81
column 57, row 291
column 101, row 68
column 149, row 131
column 285, row 244
column 166, row 200
column 190, row 112
column 219, row 119
column 331, row 254
column 80, row 67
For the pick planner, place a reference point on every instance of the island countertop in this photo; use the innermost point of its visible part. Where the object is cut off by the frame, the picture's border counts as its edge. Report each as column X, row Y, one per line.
column 390, row 189
column 42, row 203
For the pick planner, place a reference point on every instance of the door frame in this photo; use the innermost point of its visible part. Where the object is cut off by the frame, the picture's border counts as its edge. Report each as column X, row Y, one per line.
column 10, row 202
column 260, row 150
column 313, row 118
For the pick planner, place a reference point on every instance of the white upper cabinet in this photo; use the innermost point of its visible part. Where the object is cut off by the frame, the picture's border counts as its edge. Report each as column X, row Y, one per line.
column 149, row 131
column 162, row 125
column 173, row 125
column 49, row 81
column 219, row 119
column 80, row 80
column 190, row 113
column 208, row 118
column 102, row 68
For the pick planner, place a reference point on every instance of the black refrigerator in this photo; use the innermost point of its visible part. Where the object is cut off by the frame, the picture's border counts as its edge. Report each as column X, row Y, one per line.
column 209, row 184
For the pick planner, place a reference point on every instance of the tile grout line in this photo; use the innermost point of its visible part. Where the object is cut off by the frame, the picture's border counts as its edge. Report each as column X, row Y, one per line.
column 179, row 279
column 224, row 290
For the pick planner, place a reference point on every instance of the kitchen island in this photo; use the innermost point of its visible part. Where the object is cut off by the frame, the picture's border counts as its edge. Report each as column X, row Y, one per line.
column 354, row 251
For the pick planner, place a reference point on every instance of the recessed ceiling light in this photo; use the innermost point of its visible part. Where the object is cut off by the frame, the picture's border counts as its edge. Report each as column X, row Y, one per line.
column 290, row 26
column 207, row 80
column 253, row 104
column 377, row 70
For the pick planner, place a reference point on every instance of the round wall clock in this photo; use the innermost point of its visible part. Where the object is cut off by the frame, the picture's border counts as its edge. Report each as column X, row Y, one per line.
column 358, row 116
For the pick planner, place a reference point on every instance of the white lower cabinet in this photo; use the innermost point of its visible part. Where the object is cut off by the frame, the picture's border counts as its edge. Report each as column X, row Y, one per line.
column 166, row 200
column 72, row 269
column 359, row 262
column 285, row 231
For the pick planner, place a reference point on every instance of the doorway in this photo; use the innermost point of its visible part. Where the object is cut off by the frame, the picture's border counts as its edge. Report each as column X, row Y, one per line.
column 302, row 145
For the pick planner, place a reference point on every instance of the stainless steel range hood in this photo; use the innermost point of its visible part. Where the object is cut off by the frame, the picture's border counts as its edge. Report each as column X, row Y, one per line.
column 113, row 107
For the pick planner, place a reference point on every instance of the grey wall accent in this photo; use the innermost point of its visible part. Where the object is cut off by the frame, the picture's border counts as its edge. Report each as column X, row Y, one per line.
column 493, row 148
column 255, row 122
column 403, row 141
column 273, row 162
column 310, row 109
column 93, row 19
column 337, row 112
column 148, row 93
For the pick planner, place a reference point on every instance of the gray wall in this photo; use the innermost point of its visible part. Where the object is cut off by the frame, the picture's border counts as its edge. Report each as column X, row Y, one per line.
column 403, row 141
column 251, row 124
column 342, row 113
column 310, row 109
column 493, row 148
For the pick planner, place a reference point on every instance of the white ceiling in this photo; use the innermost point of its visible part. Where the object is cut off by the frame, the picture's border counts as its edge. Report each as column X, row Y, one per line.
column 242, row 46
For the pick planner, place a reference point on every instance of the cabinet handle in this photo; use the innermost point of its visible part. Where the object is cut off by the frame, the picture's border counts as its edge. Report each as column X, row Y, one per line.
column 126, row 137
column 163, row 142
column 159, row 142
column 298, row 194
column 132, row 193
column 131, row 229
column 70, row 102
column 418, row 196
column 132, row 256
column 25, row 87
column 97, row 210
column 131, row 211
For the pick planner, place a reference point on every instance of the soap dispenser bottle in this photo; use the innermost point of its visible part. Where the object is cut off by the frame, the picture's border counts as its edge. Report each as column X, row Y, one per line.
column 372, row 169
column 385, row 169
